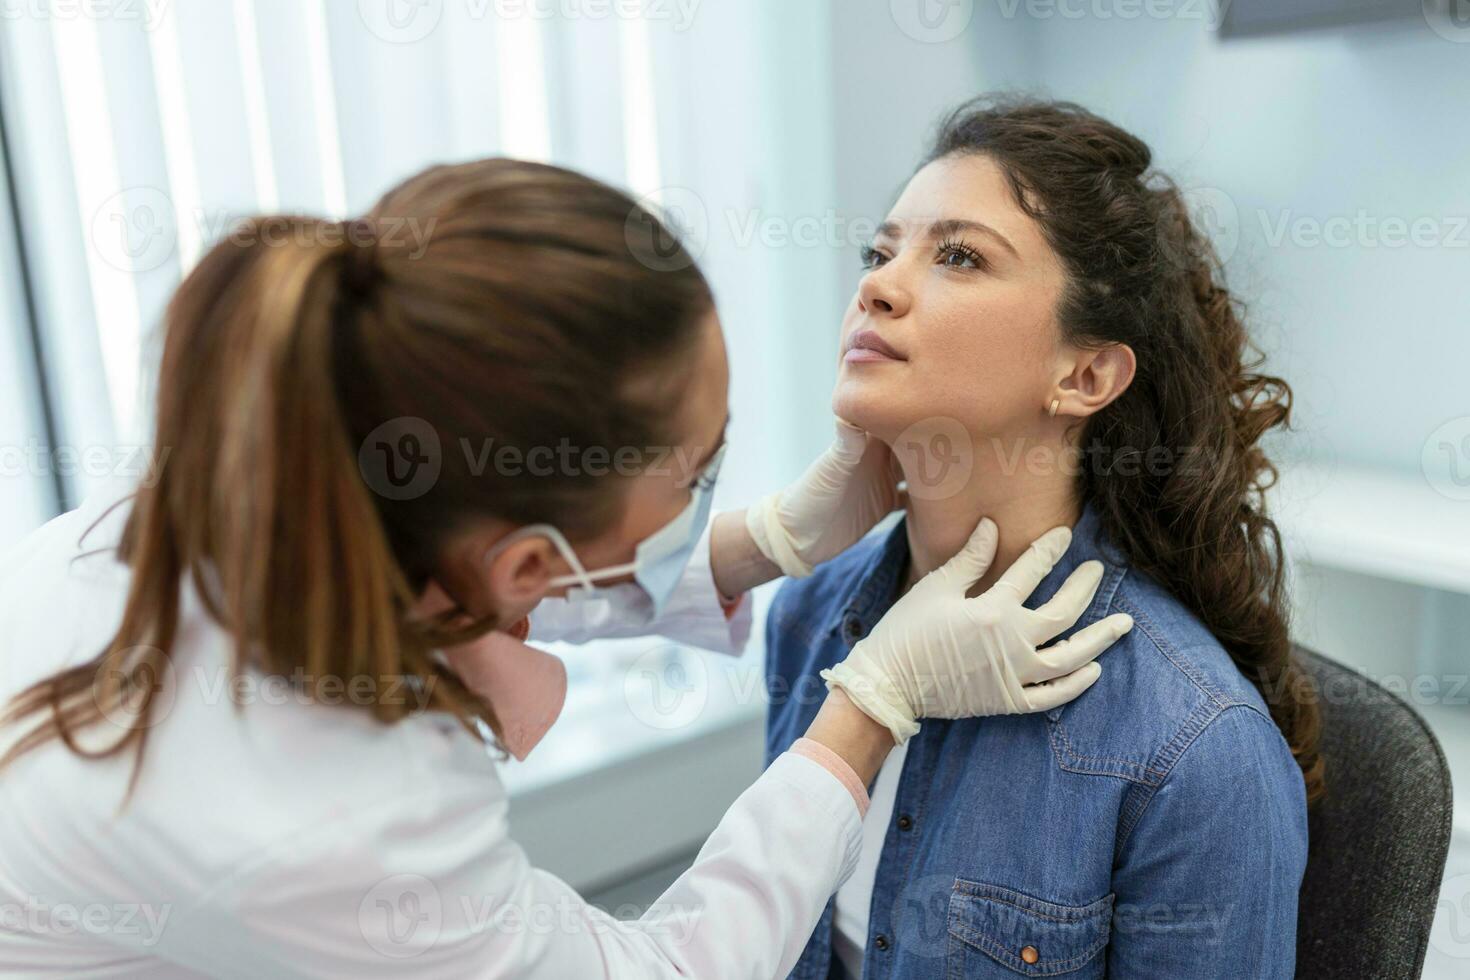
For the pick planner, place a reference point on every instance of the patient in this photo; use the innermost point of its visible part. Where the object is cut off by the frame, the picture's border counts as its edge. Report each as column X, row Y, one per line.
column 1042, row 337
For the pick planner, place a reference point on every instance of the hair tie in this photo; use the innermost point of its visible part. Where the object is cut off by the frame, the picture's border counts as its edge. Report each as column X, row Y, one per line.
column 362, row 270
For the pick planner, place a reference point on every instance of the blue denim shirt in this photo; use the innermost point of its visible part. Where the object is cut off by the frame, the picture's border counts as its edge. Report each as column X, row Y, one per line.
column 1154, row 827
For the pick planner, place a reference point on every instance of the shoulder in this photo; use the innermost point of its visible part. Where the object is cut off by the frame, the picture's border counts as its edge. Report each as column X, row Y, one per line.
column 1163, row 686
column 62, row 588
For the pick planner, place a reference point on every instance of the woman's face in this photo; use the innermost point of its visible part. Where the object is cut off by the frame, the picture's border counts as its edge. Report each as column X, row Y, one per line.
column 954, row 320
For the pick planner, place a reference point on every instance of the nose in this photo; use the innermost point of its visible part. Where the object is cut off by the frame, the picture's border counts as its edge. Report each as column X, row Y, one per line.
column 881, row 293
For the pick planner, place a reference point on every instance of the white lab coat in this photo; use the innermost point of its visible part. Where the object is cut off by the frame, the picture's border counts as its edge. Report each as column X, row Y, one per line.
column 289, row 839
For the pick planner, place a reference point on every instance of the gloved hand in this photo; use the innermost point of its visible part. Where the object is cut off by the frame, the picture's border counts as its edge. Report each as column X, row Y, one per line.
column 939, row 654
column 836, row 501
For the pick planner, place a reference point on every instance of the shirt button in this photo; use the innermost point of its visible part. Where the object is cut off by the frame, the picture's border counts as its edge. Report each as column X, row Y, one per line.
column 853, row 630
column 905, row 822
column 1029, row 954
column 881, row 941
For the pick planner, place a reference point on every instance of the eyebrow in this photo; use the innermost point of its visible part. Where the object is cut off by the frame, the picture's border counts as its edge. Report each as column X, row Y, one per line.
column 946, row 227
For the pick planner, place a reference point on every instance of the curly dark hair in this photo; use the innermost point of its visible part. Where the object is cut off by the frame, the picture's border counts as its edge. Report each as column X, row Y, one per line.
column 1140, row 273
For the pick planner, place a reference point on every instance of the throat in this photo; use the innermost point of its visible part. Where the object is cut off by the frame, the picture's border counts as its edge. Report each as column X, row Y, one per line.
column 938, row 529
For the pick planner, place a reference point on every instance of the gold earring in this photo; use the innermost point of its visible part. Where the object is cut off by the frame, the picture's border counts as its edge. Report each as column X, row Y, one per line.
column 1056, row 403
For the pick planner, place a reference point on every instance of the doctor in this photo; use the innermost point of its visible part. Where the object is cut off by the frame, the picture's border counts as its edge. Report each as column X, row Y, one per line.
column 248, row 702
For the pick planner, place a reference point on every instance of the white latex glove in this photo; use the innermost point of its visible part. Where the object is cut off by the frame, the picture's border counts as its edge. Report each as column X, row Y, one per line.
column 938, row 654
column 839, row 498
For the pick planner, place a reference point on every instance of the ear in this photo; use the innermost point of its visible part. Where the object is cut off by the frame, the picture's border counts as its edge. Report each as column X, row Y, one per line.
column 510, row 584
column 518, row 576
column 1095, row 379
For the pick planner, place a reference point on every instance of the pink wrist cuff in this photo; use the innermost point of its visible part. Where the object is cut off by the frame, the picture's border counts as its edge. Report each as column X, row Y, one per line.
column 730, row 606
column 837, row 766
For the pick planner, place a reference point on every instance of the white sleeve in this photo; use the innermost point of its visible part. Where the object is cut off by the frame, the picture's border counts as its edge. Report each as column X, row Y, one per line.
column 437, row 889
column 694, row 614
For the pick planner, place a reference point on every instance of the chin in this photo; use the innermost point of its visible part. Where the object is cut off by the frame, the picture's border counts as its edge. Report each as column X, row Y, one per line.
column 870, row 404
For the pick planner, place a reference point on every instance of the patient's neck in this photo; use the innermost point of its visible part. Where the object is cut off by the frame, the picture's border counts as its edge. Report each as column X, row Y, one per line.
column 1025, row 502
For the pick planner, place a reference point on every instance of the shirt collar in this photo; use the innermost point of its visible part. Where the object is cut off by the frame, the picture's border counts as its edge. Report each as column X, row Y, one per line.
column 877, row 589
column 1089, row 543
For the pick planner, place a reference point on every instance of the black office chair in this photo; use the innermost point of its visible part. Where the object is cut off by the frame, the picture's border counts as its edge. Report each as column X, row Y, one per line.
column 1379, row 838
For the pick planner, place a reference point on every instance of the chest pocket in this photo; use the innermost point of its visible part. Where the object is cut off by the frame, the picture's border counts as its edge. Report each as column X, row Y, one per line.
column 1000, row 932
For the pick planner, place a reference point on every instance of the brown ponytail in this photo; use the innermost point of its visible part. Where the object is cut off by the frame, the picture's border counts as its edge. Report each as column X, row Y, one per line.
column 497, row 304
column 1140, row 273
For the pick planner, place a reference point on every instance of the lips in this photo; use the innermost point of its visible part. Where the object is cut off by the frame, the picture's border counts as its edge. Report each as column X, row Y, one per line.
column 866, row 345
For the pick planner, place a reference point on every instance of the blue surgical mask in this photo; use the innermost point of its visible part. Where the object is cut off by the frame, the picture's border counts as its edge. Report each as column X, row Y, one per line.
column 658, row 562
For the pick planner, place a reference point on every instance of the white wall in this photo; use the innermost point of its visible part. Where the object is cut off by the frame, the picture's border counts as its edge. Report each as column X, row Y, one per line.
column 1304, row 129
column 892, row 88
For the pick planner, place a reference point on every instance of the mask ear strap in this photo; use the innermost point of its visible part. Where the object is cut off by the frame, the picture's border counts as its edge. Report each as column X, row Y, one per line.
column 611, row 571
column 558, row 541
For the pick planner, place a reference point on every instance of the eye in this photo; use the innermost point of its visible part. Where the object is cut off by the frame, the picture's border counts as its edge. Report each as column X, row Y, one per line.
column 871, row 257
column 955, row 254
